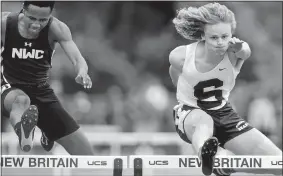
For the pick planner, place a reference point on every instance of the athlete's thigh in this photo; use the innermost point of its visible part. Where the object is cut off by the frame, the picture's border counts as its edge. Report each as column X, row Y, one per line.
column 54, row 121
column 188, row 118
column 252, row 142
column 8, row 97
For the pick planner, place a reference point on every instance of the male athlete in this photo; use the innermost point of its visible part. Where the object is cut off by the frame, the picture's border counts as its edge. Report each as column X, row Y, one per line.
column 29, row 39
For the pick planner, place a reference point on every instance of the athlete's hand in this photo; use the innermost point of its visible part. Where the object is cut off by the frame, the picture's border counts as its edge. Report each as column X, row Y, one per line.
column 84, row 79
column 235, row 44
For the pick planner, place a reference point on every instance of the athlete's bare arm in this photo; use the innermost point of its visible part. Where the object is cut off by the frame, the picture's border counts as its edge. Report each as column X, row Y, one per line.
column 3, row 25
column 239, row 52
column 245, row 52
column 176, row 59
column 242, row 55
column 63, row 36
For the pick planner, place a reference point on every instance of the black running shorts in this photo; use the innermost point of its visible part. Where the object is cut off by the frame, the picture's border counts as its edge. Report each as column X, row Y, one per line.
column 227, row 123
column 53, row 120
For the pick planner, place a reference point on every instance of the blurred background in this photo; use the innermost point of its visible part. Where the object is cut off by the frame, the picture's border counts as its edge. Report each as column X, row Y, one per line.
column 126, row 45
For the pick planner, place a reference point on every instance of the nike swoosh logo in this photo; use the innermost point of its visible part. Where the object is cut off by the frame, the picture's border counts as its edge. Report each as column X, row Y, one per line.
column 220, row 69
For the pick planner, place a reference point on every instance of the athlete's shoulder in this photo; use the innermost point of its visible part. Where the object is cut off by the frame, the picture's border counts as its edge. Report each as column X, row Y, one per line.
column 177, row 56
column 178, row 50
column 57, row 24
column 181, row 51
column 59, row 29
column 4, row 16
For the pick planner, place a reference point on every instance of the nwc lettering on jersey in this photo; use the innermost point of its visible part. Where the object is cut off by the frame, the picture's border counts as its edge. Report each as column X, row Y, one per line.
column 22, row 53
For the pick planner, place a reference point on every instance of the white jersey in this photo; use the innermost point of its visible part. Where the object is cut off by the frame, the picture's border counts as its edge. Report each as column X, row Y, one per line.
column 209, row 90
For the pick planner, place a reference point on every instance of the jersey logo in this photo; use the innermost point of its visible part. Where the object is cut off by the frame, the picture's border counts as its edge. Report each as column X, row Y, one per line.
column 28, row 44
column 241, row 125
column 220, row 69
column 209, row 89
column 22, row 53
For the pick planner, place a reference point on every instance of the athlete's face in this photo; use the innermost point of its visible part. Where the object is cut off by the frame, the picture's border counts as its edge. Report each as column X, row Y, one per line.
column 36, row 17
column 217, row 37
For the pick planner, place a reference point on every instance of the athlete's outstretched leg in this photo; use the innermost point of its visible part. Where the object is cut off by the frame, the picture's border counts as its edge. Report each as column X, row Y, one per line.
column 76, row 144
column 199, row 127
column 253, row 142
column 22, row 115
column 57, row 125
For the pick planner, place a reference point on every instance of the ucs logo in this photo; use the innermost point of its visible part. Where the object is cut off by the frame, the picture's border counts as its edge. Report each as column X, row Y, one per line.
column 276, row 163
column 158, row 162
column 97, row 163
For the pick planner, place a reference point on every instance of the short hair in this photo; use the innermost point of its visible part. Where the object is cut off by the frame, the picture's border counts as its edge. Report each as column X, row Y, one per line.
column 190, row 21
column 39, row 4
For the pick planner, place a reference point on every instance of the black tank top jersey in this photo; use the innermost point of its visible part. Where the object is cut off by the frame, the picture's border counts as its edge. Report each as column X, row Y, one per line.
column 25, row 61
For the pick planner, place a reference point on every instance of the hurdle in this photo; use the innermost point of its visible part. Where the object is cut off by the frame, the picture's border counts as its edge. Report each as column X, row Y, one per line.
column 114, row 163
column 138, row 165
column 190, row 163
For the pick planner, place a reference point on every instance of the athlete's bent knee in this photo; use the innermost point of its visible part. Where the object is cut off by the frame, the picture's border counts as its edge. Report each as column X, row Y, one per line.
column 198, row 119
column 22, row 100
column 202, row 118
column 15, row 98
